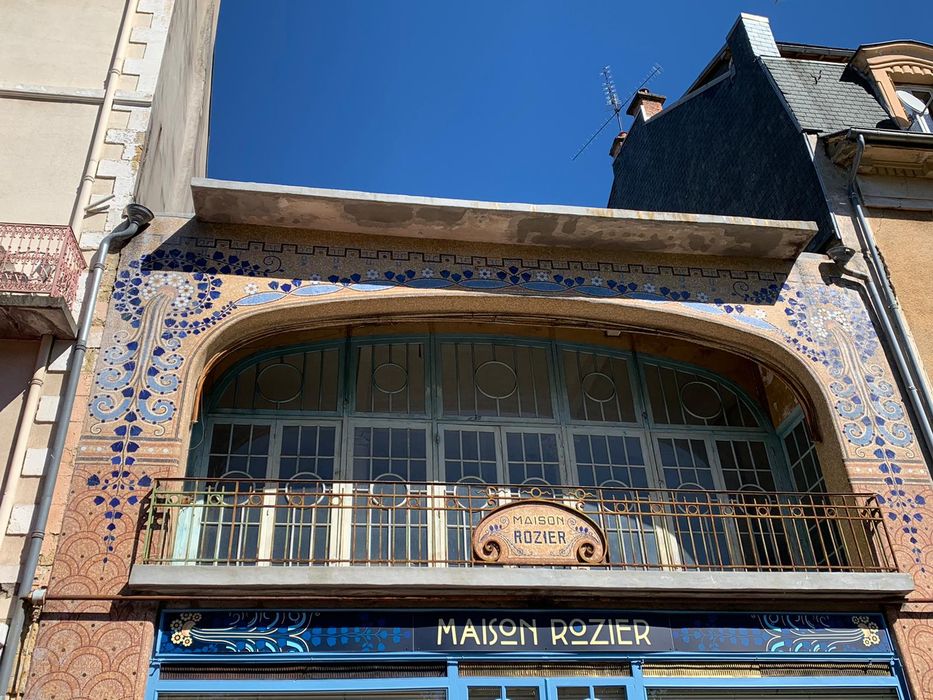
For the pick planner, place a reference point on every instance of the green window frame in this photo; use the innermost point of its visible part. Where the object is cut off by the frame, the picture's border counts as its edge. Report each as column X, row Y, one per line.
column 580, row 415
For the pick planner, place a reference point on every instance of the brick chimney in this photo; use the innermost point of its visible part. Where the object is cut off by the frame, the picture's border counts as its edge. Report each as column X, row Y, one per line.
column 647, row 102
column 617, row 144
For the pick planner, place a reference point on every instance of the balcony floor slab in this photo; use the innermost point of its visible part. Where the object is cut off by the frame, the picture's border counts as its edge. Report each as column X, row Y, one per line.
column 24, row 315
column 385, row 581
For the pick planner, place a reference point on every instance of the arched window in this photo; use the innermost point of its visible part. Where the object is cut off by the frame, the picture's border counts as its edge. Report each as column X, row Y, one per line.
column 425, row 434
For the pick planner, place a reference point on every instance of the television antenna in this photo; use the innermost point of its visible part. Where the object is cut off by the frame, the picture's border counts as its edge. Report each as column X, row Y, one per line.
column 613, row 101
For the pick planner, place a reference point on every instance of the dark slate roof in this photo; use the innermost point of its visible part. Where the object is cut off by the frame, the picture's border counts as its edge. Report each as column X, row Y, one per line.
column 820, row 99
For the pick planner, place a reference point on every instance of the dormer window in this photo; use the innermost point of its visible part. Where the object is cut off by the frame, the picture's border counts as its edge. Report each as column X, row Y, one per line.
column 916, row 102
column 902, row 72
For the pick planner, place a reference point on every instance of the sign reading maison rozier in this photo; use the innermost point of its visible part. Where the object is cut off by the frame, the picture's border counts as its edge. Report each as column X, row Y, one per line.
column 538, row 533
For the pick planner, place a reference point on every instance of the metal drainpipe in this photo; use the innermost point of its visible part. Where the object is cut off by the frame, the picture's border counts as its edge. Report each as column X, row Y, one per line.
column 22, row 433
column 103, row 117
column 908, row 366
column 136, row 218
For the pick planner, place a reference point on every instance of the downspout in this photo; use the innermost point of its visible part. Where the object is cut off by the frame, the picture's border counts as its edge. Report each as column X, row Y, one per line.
column 909, row 365
column 22, row 434
column 136, row 218
column 103, row 117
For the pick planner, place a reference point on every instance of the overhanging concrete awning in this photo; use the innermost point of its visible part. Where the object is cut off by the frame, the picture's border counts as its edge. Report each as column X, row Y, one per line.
column 362, row 581
column 227, row 202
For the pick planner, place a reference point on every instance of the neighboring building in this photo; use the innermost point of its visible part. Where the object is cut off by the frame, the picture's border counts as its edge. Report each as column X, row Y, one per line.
column 72, row 116
column 78, row 83
column 344, row 444
column 772, row 130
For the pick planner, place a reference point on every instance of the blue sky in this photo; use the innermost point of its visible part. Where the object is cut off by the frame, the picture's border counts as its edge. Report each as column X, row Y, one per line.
column 483, row 100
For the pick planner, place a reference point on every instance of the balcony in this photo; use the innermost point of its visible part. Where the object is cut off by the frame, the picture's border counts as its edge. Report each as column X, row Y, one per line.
column 354, row 535
column 40, row 267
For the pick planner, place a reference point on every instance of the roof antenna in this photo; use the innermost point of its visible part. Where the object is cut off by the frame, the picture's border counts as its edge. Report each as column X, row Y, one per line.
column 613, row 101
column 612, row 97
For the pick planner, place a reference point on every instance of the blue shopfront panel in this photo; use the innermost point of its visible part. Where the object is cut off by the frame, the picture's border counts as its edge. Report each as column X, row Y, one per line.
column 453, row 637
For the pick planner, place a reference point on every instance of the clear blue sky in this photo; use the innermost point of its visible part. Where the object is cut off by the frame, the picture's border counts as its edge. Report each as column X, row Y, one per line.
column 487, row 99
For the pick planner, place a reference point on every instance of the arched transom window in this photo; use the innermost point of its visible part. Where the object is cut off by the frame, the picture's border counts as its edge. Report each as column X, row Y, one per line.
column 485, row 411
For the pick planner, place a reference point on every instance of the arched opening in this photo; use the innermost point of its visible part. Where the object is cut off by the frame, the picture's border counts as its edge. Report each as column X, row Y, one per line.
column 389, row 445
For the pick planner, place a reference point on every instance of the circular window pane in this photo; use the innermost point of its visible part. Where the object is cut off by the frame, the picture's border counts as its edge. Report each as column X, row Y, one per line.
column 279, row 383
column 599, row 387
column 701, row 400
column 390, row 378
column 495, row 379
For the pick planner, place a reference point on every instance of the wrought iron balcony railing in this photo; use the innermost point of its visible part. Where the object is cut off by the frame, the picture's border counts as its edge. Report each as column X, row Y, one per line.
column 315, row 523
column 42, row 260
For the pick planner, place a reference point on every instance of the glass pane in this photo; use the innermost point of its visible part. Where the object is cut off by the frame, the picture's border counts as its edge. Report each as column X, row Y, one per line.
column 522, row 692
column 321, row 380
column 294, row 381
column 598, row 387
column 698, row 526
column 484, row 692
column 532, row 458
column 390, row 378
column 804, row 463
column 307, row 452
column 470, row 462
column 603, row 692
column 680, row 397
column 573, row 693
column 486, row 379
column 745, row 465
column 390, row 516
column 491, row 692
column 239, row 451
column 686, row 464
column 228, row 512
column 470, row 456
column 614, row 467
column 303, row 506
column 389, row 454
column 609, row 692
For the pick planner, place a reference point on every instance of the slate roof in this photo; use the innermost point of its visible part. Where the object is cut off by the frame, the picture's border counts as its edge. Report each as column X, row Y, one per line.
column 820, row 99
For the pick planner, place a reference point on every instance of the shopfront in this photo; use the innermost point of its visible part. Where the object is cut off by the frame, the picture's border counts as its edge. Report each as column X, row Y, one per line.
column 521, row 655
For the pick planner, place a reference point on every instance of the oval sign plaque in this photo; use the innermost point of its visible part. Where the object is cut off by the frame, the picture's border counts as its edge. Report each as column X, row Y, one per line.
column 538, row 533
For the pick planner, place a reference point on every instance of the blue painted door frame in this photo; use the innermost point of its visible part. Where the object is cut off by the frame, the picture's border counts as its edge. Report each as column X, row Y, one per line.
column 456, row 687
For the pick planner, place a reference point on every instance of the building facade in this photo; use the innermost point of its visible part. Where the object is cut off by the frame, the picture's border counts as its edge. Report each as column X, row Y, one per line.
column 300, row 444
column 340, row 444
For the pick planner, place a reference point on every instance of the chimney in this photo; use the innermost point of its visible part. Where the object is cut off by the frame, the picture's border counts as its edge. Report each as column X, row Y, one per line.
column 617, row 144
column 647, row 102
column 750, row 38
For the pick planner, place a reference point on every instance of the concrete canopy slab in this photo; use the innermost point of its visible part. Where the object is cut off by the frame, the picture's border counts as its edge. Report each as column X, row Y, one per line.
column 362, row 581
column 226, row 202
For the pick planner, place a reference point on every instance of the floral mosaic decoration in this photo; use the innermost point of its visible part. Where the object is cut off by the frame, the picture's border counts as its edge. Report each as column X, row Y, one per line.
column 163, row 297
column 169, row 295
column 831, row 326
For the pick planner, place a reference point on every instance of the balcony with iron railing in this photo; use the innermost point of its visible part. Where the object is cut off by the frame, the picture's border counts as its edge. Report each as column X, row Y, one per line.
column 302, row 533
column 40, row 268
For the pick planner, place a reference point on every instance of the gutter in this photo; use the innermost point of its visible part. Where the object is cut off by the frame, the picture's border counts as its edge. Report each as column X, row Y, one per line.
column 137, row 217
column 23, row 430
column 103, row 117
column 885, row 137
column 888, row 310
